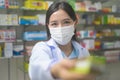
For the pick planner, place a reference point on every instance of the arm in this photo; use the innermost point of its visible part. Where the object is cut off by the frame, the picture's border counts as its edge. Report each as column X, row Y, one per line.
column 40, row 68
column 39, row 63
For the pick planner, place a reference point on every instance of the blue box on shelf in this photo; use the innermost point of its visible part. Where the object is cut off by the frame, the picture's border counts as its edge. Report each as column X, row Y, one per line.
column 35, row 35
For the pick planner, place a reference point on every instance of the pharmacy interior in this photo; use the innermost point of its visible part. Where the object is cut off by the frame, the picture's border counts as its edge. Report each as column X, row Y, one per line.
column 22, row 24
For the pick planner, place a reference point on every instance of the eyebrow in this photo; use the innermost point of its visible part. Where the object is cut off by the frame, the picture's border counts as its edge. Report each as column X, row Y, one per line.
column 52, row 21
column 68, row 19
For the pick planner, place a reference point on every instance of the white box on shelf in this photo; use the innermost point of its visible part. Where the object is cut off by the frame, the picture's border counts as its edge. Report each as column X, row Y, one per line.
column 41, row 18
column 8, row 50
column 89, row 43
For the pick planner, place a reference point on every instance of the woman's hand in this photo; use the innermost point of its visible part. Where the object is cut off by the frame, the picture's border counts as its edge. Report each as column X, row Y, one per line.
column 61, row 70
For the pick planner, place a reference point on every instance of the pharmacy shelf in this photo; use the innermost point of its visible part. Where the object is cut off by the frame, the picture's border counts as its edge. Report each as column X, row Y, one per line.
column 97, row 12
column 39, row 25
column 3, row 58
column 102, row 1
column 32, row 42
column 110, row 49
column 23, row 8
column 30, row 9
column 98, row 27
column 44, row 11
column 110, row 38
column 22, row 25
column 19, row 56
column 103, row 25
column 9, row 25
column 9, row 8
column 100, row 52
column 10, row 11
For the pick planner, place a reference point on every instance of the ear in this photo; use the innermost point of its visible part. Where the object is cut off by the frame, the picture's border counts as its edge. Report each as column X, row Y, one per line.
column 78, row 17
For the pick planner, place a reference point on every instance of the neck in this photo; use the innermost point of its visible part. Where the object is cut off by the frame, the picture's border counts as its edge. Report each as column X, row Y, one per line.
column 67, row 49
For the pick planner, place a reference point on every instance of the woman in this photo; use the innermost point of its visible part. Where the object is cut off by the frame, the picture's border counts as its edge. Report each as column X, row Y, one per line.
column 54, row 58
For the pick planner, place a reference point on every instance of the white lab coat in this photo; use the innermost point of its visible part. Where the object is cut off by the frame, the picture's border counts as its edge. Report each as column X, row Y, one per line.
column 44, row 55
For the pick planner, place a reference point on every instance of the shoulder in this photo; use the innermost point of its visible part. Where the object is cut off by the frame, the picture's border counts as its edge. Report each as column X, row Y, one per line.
column 48, row 43
column 40, row 45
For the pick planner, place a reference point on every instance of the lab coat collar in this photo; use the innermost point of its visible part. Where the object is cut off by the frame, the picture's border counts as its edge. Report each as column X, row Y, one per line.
column 76, row 45
column 52, row 43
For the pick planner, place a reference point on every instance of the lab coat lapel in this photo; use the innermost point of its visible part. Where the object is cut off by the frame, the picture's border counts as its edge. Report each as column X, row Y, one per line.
column 56, row 50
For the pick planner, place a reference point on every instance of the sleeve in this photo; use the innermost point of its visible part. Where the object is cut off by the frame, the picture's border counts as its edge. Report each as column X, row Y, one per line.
column 40, row 62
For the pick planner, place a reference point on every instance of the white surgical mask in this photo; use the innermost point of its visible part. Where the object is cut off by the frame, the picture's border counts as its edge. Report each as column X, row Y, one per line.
column 62, row 35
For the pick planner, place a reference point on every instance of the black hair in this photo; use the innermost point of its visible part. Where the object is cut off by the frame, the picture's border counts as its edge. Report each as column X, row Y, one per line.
column 55, row 7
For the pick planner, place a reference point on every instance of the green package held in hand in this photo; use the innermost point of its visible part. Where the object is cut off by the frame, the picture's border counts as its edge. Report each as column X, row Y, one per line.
column 92, row 64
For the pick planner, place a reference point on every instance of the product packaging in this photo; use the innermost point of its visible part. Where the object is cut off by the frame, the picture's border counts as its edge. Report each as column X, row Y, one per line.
column 92, row 64
column 8, row 50
column 35, row 35
column 18, row 50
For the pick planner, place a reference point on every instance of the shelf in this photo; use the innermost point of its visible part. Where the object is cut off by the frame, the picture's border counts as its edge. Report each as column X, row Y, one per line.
column 44, row 11
column 110, row 49
column 28, row 9
column 9, row 25
column 39, row 25
column 3, row 58
column 98, row 27
column 110, row 38
column 100, row 52
column 23, row 9
column 103, row 25
column 19, row 56
column 93, row 1
column 33, row 10
column 98, row 12
column 30, row 43
column 6, row 41
column 9, row 8
column 34, row 25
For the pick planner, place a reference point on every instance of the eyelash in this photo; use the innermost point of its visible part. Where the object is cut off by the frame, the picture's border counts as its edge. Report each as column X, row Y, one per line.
column 67, row 22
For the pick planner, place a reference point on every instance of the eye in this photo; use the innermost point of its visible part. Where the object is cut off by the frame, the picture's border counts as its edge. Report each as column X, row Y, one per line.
column 53, row 24
column 67, row 22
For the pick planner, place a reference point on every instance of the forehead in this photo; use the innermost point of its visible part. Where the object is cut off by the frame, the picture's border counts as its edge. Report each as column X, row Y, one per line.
column 59, row 15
